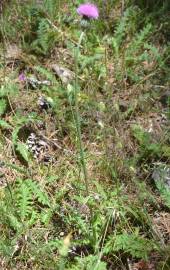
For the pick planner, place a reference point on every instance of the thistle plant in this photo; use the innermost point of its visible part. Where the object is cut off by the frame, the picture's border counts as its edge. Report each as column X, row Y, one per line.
column 88, row 12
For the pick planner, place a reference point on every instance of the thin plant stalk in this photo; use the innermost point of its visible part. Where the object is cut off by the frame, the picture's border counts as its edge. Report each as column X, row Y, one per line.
column 77, row 122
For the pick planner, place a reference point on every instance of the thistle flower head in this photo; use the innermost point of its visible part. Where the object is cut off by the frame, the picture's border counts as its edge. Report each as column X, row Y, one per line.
column 88, row 11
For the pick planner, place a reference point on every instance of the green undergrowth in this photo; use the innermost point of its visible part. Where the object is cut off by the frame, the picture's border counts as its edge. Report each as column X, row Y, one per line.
column 105, row 131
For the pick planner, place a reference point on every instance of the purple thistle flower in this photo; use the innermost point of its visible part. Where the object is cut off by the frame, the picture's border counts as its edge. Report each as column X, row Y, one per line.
column 88, row 11
column 22, row 77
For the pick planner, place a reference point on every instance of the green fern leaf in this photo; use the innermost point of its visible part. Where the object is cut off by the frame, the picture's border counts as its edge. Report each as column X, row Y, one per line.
column 15, row 135
column 46, row 216
column 132, row 243
column 24, row 200
column 164, row 192
column 14, row 223
column 39, row 194
column 47, row 74
column 22, row 149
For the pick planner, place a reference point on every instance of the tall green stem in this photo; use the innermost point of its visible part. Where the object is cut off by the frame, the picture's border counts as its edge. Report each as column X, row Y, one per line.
column 77, row 121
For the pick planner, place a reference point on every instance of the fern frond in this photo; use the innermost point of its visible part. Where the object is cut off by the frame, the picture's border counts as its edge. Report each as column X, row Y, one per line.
column 164, row 192
column 121, row 29
column 46, row 73
column 9, row 89
column 24, row 200
column 46, row 37
column 132, row 243
column 51, row 7
column 139, row 40
column 39, row 194
column 13, row 222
